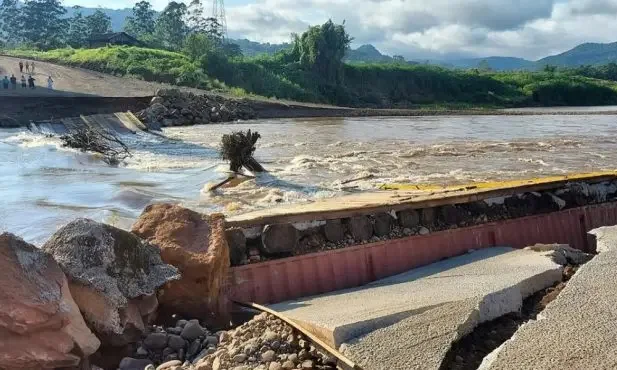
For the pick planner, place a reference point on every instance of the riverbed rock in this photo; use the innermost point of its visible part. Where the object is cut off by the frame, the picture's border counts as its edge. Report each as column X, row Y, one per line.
column 279, row 238
column 197, row 246
column 109, row 271
column 40, row 324
column 360, row 228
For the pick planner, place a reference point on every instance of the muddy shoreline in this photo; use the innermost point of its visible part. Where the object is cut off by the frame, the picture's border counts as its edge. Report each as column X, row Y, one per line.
column 18, row 111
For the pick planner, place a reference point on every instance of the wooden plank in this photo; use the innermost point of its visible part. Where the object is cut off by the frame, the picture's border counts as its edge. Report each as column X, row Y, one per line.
column 384, row 201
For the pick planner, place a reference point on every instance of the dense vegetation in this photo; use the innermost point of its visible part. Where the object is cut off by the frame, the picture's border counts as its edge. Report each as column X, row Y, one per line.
column 186, row 48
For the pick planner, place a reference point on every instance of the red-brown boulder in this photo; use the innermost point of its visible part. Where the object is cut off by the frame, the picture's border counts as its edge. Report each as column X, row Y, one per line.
column 40, row 324
column 196, row 244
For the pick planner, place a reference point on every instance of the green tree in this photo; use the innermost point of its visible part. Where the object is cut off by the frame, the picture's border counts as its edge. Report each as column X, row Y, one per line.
column 142, row 23
column 231, row 50
column 195, row 20
column 170, row 26
column 197, row 44
column 77, row 35
column 98, row 23
column 10, row 22
column 322, row 49
column 549, row 68
column 43, row 23
column 398, row 58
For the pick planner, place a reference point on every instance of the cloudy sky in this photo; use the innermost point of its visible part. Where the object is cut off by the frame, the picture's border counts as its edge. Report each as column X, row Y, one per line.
column 420, row 29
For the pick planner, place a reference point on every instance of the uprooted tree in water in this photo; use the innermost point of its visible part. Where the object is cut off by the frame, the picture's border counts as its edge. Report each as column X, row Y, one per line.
column 238, row 148
column 99, row 141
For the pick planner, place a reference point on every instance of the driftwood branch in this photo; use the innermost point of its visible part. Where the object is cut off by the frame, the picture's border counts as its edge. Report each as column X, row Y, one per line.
column 106, row 143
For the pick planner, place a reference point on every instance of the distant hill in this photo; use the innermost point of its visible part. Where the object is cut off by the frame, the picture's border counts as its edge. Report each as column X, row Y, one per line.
column 589, row 53
column 495, row 63
column 367, row 54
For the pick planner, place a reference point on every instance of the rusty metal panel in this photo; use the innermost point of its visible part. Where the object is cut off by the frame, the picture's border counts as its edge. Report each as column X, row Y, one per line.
column 316, row 273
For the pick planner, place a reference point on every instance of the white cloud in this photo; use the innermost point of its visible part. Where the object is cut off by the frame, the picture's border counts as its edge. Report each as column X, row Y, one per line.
column 427, row 28
column 423, row 29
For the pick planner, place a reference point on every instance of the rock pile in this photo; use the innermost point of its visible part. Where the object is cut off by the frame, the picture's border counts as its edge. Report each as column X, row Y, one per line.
column 263, row 343
column 188, row 341
column 172, row 107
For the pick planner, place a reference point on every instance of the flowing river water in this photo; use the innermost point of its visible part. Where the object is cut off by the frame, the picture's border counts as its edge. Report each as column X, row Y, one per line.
column 43, row 186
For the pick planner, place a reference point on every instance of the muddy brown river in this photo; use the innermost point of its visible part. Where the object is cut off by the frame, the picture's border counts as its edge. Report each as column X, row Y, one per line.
column 44, row 186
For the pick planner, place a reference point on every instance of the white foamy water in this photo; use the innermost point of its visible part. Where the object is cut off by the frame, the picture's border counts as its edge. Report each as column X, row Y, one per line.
column 44, row 186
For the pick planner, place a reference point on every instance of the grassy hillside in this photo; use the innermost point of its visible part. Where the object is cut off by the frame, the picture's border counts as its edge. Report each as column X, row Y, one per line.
column 363, row 85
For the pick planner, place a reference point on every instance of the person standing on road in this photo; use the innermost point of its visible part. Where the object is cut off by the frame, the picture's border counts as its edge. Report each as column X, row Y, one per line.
column 50, row 83
column 23, row 82
column 5, row 82
column 32, row 67
column 27, row 67
column 31, row 82
column 13, row 82
column 21, row 67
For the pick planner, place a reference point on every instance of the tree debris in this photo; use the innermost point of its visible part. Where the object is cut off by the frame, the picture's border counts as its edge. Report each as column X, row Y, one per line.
column 238, row 148
column 104, row 142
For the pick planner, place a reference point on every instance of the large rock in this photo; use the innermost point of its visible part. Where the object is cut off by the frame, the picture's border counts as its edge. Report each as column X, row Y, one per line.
column 360, row 228
column 40, row 324
column 334, row 230
column 237, row 245
column 113, row 276
column 197, row 246
column 279, row 238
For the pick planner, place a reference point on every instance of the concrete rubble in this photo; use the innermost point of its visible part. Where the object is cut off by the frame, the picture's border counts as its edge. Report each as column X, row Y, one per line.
column 410, row 321
column 575, row 331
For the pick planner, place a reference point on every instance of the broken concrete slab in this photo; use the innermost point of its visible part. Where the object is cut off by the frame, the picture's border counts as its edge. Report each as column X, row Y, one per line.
column 575, row 331
column 423, row 311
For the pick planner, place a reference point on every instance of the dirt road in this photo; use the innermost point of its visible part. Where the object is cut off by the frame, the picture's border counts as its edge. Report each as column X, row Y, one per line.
column 74, row 81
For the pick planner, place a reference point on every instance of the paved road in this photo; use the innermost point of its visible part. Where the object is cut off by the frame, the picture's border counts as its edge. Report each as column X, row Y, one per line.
column 75, row 81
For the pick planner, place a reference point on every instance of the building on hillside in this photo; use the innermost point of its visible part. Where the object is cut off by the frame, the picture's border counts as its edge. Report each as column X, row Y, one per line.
column 114, row 38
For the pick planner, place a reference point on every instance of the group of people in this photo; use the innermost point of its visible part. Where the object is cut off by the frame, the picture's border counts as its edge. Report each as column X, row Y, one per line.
column 13, row 82
column 29, row 67
column 25, row 83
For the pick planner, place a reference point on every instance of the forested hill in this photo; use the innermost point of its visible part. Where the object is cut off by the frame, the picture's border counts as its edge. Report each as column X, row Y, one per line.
column 584, row 54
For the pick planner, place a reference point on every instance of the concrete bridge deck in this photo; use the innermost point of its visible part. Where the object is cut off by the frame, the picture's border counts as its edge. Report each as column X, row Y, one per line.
column 578, row 330
column 410, row 321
